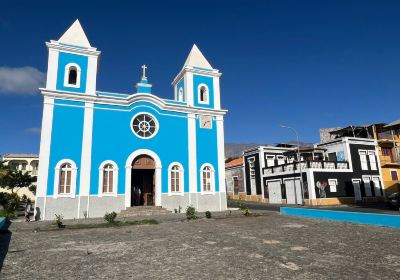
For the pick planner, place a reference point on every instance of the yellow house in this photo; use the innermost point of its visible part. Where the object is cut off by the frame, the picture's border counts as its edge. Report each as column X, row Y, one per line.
column 388, row 138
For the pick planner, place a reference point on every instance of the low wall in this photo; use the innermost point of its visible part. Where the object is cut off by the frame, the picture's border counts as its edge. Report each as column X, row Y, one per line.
column 344, row 216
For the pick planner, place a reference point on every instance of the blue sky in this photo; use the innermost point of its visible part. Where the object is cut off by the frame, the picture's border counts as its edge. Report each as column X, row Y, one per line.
column 308, row 64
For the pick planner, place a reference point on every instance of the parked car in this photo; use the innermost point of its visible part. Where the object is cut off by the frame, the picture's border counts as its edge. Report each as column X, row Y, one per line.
column 393, row 200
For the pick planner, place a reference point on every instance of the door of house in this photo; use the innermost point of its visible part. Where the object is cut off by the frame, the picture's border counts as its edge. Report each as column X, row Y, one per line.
column 367, row 185
column 357, row 191
column 377, row 186
column 293, row 191
column 275, row 192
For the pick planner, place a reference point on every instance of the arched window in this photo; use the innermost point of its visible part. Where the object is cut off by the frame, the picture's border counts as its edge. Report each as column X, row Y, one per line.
column 72, row 75
column 108, row 178
column 65, row 178
column 64, row 186
column 203, row 94
column 180, row 95
column 175, row 178
column 207, row 178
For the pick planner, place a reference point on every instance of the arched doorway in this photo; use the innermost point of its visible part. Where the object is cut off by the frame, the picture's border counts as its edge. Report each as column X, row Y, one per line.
column 142, row 181
column 157, row 175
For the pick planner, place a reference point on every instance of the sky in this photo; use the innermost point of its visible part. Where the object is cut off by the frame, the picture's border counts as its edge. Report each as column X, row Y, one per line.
column 306, row 64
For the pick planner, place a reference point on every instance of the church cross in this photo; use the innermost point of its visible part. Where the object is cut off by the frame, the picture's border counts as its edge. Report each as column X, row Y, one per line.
column 144, row 67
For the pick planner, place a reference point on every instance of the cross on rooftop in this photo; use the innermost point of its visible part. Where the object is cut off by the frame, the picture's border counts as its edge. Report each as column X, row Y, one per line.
column 144, row 67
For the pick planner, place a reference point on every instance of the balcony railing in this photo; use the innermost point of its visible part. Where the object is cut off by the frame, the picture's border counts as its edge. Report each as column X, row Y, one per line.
column 316, row 164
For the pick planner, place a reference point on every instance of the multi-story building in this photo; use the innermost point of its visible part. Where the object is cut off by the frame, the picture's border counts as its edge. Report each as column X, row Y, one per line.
column 340, row 171
column 388, row 139
column 25, row 163
column 234, row 177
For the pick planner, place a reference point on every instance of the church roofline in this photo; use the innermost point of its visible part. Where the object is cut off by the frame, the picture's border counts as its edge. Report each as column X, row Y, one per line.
column 196, row 70
column 72, row 49
column 129, row 100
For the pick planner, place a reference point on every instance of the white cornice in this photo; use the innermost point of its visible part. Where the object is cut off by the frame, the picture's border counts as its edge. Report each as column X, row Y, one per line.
column 129, row 100
column 71, row 49
column 212, row 73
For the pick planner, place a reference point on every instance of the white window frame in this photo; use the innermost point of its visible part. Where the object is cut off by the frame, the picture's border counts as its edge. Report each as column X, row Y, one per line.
column 372, row 163
column 332, row 185
column 115, row 179
column 367, row 179
column 78, row 75
column 181, row 179
column 180, row 96
column 57, row 179
column 364, row 164
column 271, row 158
column 155, row 122
column 280, row 158
column 207, row 101
column 212, row 178
column 252, row 169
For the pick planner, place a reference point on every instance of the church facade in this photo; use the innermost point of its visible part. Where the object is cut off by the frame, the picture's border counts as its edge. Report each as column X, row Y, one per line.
column 102, row 152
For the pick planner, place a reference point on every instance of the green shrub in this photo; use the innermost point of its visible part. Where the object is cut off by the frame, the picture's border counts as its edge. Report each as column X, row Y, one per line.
column 191, row 213
column 208, row 214
column 7, row 215
column 59, row 222
column 110, row 217
column 245, row 209
column 9, row 201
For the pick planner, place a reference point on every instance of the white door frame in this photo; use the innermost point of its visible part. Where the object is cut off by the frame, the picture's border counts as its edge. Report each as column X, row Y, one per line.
column 157, row 179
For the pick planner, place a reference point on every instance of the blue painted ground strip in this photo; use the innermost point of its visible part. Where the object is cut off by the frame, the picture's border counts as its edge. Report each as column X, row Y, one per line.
column 344, row 216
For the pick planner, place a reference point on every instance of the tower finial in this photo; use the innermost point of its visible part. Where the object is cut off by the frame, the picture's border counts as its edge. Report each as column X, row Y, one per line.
column 144, row 67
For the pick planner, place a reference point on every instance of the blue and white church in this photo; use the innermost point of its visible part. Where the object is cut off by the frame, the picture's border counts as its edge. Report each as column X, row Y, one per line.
column 104, row 151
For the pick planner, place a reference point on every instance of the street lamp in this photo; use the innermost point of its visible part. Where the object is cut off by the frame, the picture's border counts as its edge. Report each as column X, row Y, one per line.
column 298, row 159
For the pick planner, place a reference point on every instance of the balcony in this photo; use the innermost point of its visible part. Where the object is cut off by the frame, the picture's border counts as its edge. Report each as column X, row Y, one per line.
column 307, row 164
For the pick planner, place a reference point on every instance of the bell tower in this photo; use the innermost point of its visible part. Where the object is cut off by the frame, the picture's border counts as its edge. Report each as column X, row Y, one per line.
column 72, row 64
column 197, row 84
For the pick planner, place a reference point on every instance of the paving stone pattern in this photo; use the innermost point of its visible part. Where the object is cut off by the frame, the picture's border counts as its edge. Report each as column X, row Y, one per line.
column 265, row 247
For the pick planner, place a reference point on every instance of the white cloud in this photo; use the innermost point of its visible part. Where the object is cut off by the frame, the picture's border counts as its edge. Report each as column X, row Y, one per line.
column 22, row 80
column 33, row 130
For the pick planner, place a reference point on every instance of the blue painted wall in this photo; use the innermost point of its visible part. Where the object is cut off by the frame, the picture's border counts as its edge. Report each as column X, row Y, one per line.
column 63, row 60
column 207, row 150
column 197, row 80
column 66, row 138
column 114, row 140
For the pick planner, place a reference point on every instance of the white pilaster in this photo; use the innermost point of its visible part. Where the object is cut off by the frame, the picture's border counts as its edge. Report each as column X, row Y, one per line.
column 91, row 75
column 217, row 96
column 45, row 141
column 86, row 157
column 188, row 81
column 52, row 68
column 221, row 158
column 192, row 155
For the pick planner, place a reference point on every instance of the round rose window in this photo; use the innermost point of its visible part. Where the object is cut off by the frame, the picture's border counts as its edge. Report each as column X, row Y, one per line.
column 144, row 125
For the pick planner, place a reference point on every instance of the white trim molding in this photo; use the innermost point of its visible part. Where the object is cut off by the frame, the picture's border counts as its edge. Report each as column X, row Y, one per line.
column 181, row 179
column 78, row 75
column 128, row 175
column 115, row 179
column 207, row 95
column 212, row 179
column 57, row 170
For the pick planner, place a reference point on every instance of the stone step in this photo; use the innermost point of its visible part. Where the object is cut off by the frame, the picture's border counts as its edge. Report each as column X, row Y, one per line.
column 143, row 211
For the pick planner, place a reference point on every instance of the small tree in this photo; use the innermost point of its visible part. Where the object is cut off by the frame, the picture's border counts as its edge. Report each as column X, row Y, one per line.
column 16, row 179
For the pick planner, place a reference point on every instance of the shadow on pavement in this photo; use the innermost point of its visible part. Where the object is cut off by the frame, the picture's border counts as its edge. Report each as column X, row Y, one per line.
column 5, row 238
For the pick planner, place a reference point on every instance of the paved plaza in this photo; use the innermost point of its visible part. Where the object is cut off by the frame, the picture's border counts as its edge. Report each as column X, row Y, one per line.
column 271, row 246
